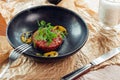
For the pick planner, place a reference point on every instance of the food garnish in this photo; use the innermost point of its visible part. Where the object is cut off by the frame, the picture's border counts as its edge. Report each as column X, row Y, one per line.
column 47, row 38
column 48, row 54
column 51, row 54
column 38, row 54
column 26, row 37
column 47, row 32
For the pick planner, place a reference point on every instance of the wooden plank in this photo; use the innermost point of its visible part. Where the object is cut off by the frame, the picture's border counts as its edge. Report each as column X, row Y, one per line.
column 2, row 26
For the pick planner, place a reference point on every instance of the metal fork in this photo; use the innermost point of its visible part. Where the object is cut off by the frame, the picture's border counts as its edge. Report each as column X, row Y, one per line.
column 14, row 55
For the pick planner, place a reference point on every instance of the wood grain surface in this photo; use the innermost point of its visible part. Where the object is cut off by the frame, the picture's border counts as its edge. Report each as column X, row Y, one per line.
column 2, row 26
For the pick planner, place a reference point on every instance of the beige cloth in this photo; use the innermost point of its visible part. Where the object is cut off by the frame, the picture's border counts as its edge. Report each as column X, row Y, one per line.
column 100, row 41
column 4, row 49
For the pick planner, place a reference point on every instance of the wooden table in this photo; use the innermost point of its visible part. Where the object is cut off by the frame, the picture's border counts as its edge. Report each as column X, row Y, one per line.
column 2, row 26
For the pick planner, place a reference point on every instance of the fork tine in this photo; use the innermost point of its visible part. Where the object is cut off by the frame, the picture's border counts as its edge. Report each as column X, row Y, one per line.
column 26, row 49
column 22, row 50
column 20, row 46
column 19, row 50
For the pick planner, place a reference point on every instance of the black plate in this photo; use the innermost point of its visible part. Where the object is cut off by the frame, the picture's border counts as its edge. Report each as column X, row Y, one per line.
column 27, row 21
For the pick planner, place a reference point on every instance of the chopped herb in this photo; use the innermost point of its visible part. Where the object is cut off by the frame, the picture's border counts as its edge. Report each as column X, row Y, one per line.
column 47, row 32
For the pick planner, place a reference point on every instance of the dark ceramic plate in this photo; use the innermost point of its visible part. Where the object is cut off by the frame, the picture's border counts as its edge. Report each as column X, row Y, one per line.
column 26, row 21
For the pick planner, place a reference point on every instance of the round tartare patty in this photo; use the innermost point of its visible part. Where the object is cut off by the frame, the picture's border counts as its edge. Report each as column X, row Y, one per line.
column 44, row 45
column 48, row 37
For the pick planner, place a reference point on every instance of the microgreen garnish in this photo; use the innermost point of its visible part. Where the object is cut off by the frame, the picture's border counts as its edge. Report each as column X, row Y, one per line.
column 47, row 33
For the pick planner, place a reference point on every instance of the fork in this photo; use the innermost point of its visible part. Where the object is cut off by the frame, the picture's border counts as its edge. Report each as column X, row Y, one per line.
column 14, row 55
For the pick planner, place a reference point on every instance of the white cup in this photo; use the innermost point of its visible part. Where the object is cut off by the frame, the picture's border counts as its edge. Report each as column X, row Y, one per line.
column 109, row 12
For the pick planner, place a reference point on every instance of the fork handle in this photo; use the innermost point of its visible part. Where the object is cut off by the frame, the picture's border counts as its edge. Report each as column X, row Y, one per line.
column 4, row 71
